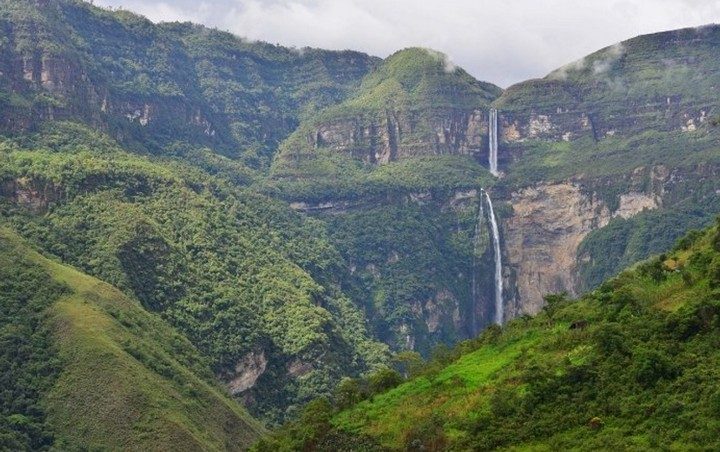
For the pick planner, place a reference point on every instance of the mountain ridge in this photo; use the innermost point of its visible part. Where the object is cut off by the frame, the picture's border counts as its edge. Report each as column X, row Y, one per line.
column 304, row 216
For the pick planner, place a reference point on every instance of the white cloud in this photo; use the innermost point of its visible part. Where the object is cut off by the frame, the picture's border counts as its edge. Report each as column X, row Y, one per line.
column 611, row 55
column 500, row 41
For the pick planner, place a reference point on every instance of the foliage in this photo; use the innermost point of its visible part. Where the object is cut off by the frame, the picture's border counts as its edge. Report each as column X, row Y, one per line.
column 233, row 271
column 632, row 364
column 28, row 357
column 196, row 85
column 78, row 356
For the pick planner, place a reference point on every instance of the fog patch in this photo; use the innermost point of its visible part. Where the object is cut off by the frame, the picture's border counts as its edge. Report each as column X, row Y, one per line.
column 562, row 72
column 611, row 55
column 448, row 65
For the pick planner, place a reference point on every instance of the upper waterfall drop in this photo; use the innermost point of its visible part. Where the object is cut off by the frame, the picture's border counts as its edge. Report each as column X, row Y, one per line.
column 493, row 142
column 499, row 304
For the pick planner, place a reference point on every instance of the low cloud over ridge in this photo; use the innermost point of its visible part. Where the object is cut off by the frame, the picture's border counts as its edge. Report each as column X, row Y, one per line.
column 503, row 42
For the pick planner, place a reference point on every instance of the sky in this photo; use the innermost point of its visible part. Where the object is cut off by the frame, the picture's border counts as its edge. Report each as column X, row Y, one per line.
column 500, row 41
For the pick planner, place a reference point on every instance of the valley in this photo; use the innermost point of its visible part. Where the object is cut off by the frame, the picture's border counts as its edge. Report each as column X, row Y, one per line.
column 231, row 232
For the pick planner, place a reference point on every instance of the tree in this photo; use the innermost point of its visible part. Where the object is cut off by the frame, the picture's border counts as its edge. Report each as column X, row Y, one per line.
column 409, row 362
column 384, row 379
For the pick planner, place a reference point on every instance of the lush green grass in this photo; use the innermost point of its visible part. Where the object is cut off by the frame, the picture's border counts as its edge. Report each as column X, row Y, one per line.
column 125, row 379
column 632, row 365
column 454, row 391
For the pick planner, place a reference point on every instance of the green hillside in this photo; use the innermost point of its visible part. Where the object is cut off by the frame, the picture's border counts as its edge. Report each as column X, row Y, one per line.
column 233, row 271
column 195, row 225
column 416, row 91
column 154, row 86
column 632, row 365
column 84, row 367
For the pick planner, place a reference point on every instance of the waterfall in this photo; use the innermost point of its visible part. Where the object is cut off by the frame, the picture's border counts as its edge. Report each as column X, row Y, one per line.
column 476, row 242
column 493, row 142
column 498, row 262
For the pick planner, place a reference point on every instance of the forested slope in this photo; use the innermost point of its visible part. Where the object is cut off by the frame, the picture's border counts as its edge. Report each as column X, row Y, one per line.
column 86, row 367
column 631, row 365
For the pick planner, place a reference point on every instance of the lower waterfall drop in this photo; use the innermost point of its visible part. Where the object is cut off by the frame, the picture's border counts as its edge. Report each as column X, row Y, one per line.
column 499, row 305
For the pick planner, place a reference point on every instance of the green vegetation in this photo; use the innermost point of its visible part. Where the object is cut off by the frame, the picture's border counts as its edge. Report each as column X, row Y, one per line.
column 415, row 87
column 91, row 369
column 331, row 175
column 613, row 156
column 152, row 86
column 157, row 161
column 415, row 78
column 630, row 365
column 28, row 358
column 232, row 270
column 402, row 259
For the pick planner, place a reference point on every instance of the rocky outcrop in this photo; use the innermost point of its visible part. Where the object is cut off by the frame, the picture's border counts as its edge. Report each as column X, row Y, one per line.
column 33, row 194
column 393, row 135
column 542, row 236
column 441, row 310
column 247, row 372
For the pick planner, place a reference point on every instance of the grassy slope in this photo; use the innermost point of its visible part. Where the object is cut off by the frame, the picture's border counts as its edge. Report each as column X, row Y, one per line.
column 642, row 374
column 127, row 380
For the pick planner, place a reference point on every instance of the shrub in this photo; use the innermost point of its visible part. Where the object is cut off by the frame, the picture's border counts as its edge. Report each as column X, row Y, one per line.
column 384, row 379
column 651, row 366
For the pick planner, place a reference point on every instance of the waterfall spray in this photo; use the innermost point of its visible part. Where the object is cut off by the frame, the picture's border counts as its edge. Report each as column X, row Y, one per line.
column 499, row 308
column 493, row 142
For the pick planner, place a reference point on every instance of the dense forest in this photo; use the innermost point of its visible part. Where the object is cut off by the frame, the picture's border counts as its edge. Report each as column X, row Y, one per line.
column 630, row 365
column 204, row 239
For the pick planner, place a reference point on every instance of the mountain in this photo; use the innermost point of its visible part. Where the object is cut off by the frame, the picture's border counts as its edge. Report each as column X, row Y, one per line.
column 86, row 367
column 604, row 162
column 248, row 281
column 152, row 86
column 127, row 150
column 608, row 160
column 631, row 365
column 416, row 103
column 297, row 216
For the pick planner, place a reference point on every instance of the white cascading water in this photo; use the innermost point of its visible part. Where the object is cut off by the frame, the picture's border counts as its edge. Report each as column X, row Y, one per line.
column 499, row 308
column 493, row 142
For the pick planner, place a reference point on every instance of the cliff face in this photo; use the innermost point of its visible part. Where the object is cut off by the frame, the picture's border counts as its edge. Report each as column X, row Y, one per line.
column 413, row 104
column 542, row 237
column 410, row 264
column 599, row 143
column 395, row 135
column 596, row 143
column 151, row 85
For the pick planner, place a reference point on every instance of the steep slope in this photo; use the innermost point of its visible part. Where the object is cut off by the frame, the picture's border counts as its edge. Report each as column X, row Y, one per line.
column 154, row 85
column 632, row 365
column 415, row 103
column 603, row 162
column 394, row 172
column 622, row 139
column 254, row 286
column 107, row 374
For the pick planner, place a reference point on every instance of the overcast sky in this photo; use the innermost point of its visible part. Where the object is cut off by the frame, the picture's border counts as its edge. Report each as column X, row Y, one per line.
column 501, row 41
